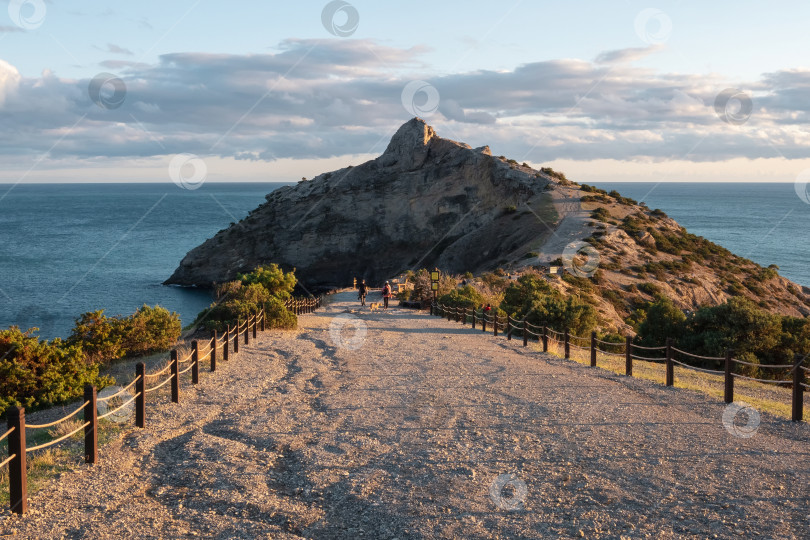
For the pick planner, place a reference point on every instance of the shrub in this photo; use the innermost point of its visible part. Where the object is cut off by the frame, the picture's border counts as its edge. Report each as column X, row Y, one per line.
column 36, row 373
column 404, row 295
column 769, row 273
column 104, row 339
column 265, row 287
column 273, row 279
column 150, row 330
column 465, row 297
column 650, row 288
column 242, row 301
column 532, row 297
column 601, row 214
column 663, row 320
column 422, row 288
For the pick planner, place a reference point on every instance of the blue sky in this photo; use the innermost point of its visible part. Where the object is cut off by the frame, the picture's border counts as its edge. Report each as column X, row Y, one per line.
column 618, row 90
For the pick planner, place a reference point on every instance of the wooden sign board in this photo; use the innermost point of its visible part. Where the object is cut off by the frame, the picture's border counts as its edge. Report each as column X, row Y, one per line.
column 434, row 275
column 434, row 286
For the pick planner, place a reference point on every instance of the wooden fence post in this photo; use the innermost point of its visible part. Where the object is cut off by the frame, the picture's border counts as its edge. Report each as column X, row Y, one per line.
column 525, row 334
column 483, row 321
column 728, row 394
column 495, row 324
column 473, row 317
column 264, row 318
column 464, row 317
column 567, row 344
column 175, row 377
column 17, row 477
column 508, row 327
column 195, row 363
column 593, row 349
column 247, row 331
column 628, row 356
column 90, row 431
column 431, row 309
column 140, row 391
column 545, row 338
column 255, row 325
column 798, row 390
column 670, row 378
column 236, row 336
column 214, row 344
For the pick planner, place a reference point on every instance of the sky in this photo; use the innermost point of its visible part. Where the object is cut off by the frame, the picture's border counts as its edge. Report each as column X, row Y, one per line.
column 275, row 91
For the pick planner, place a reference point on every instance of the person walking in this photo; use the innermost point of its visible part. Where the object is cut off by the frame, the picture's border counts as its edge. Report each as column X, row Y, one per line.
column 386, row 294
column 362, row 291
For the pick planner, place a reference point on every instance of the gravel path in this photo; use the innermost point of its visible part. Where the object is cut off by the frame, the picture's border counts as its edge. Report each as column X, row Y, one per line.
column 415, row 427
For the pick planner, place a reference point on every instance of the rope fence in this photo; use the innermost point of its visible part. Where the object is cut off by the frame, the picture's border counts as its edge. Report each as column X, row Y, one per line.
column 227, row 344
column 544, row 334
column 55, row 422
column 123, row 390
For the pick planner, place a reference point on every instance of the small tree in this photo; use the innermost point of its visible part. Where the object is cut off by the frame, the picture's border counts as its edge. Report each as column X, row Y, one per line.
column 272, row 278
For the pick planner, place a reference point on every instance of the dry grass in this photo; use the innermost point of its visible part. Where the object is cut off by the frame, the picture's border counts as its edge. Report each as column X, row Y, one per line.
column 764, row 397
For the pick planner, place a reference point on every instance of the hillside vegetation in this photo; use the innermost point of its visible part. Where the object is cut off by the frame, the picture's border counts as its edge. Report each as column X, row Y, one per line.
column 37, row 373
column 652, row 280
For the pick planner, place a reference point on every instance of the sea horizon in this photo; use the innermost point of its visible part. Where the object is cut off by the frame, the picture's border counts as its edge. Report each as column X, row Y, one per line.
column 755, row 222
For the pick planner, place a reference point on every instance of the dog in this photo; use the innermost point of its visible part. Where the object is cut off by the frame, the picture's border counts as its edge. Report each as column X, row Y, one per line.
column 373, row 305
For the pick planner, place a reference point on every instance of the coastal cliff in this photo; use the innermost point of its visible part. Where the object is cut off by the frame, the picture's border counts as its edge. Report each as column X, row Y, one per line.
column 429, row 201
column 426, row 201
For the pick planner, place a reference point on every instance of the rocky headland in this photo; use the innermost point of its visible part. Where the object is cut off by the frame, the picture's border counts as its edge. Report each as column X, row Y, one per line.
column 429, row 201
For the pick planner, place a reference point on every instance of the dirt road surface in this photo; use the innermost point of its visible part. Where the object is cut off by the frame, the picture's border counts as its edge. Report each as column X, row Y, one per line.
column 400, row 425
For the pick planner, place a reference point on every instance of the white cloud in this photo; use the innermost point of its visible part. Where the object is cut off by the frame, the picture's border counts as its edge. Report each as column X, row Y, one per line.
column 320, row 99
column 9, row 80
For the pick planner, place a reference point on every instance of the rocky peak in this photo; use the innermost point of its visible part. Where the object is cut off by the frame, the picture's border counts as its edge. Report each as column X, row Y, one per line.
column 409, row 145
column 426, row 201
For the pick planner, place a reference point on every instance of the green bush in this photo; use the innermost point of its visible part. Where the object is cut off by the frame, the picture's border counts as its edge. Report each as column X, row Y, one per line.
column 663, row 320
column 237, row 301
column 36, row 373
column 601, row 214
column 465, row 297
column 273, row 279
column 104, row 339
column 754, row 334
column 650, row 288
column 534, row 298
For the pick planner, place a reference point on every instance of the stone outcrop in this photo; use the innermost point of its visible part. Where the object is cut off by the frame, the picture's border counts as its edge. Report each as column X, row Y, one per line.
column 426, row 201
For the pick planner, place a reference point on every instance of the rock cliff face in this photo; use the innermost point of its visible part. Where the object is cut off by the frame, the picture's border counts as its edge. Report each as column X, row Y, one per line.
column 426, row 201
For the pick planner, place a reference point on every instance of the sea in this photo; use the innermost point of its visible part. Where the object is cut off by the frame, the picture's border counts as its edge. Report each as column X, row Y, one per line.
column 66, row 249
